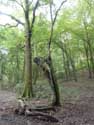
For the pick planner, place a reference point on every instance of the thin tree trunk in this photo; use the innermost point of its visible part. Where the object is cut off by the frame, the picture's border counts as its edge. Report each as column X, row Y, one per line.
column 54, row 81
column 56, row 101
column 17, row 68
column 87, row 58
column 91, row 55
column 88, row 41
column 69, row 62
column 73, row 66
column 65, row 67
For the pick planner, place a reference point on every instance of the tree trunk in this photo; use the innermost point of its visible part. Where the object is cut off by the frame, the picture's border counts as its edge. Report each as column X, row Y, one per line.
column 28, row 68
column 17, row 67
column 87, row 58
column 91, row 55
column 28, row 55
column 54, row 81
column 56, row 101
column 73, row 66
column 88, row 41
column 69, row 62
column 73, row 69
column 65, row 67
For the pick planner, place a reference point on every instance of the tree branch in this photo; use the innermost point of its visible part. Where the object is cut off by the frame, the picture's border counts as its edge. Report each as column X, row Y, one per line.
column 9, row 26
column 12, row 17
column 51, row 14
column 57, row 11
column 20, row 4
column 34, row 16
column 53, row 20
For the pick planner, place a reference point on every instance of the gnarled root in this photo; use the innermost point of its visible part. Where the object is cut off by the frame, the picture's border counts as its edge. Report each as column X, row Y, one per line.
column 36, row 113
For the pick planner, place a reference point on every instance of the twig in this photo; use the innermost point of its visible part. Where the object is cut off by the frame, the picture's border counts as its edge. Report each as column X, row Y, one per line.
column 9, row 26
column 12, row 17
column 57, row 11
column 20, row 4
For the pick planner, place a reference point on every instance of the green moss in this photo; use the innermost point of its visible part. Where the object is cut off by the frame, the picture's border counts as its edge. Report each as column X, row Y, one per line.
column 27, row 93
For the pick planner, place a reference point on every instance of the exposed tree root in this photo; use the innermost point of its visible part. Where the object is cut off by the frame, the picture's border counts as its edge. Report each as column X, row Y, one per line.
column 44, row 109
column 41, row 116
column 37, row 113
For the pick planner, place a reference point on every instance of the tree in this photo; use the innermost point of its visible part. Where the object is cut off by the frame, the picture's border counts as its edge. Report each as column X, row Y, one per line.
column 54, row 81
column 28, row 29
column 28, row 50
column 80, row 26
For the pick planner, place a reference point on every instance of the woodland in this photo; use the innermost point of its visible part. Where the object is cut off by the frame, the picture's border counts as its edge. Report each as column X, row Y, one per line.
column 46, row 62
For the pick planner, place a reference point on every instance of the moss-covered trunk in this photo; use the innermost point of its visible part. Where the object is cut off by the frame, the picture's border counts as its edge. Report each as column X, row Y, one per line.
column 56, row 101
column 28, row 56
column 28, row 70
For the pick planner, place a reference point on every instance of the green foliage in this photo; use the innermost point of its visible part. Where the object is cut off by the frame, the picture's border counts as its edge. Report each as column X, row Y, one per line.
column 69, row 36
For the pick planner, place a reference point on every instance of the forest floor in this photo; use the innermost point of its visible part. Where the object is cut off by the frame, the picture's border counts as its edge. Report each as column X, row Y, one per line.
column 77, row 106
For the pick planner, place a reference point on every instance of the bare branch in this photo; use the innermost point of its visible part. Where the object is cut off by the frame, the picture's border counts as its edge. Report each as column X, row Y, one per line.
column 57, row 11
column 53, row 20
column 20, row 4
column 12, row 17
column 8, row 25
column 34, row 11
column 51, row 14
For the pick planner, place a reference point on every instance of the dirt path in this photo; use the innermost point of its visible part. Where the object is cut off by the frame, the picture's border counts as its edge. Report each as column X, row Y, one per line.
column 79, row 113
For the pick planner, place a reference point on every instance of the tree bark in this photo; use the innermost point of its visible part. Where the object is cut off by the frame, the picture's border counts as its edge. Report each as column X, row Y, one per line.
column 28, row 91
column 28, row 70
column 87, row 58
column 54, row 81
column 65, row 66
column 28, row 56
column 88, row 41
